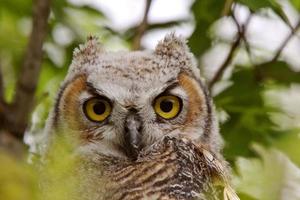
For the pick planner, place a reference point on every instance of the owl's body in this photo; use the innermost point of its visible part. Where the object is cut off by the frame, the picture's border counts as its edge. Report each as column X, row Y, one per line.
column 171, row 169
column 119, row 105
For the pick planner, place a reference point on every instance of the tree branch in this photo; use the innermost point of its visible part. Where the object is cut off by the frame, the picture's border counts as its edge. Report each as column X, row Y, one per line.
column 2, row 100
column 1, row 87
column 9, row 144
column 286, row 41
column 141, row 29
column 19, row 112
column 240, row 35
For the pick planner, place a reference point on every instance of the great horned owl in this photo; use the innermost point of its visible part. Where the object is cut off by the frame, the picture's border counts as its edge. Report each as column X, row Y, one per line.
column 127, row 110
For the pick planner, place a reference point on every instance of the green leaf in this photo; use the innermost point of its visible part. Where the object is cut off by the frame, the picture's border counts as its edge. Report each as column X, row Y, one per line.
column 50, row 77
column 18, row 180
column 17, row 7
column 248, row 115
column 58, row 7
column 296, row 4
column 255, row 5
column 273, row 177
column 279, row 72
column 289, row 143
column 206, row 12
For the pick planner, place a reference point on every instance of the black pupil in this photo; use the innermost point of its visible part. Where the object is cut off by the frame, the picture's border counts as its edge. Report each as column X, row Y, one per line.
column 99, row 108
column 166, row 105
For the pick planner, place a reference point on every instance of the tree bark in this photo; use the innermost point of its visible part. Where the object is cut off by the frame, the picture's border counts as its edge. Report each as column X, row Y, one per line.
column 14, row 117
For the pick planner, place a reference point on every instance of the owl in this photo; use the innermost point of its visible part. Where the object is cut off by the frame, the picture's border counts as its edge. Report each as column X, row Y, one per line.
column 141, row 120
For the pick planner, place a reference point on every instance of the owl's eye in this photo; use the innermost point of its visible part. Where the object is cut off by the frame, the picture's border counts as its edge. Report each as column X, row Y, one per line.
column 167, row 106
column 97, row 109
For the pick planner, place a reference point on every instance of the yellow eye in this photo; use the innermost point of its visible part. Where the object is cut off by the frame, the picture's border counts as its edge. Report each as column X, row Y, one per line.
column 167, row 106
column 97, row 109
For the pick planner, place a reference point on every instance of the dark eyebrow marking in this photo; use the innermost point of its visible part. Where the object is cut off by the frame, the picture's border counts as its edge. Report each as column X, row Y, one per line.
column 97, row 92
column 172, row 83
column 93, row 90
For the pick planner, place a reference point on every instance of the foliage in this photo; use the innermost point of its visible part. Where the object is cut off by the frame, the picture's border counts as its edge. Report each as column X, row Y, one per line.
column 17, row 179
column 249, row 115
column 206, row 12
column 245, row 125
column 53, row 179
column 256, row 180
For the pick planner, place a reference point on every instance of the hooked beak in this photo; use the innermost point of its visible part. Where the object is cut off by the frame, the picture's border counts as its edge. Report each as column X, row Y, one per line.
column 132, row 134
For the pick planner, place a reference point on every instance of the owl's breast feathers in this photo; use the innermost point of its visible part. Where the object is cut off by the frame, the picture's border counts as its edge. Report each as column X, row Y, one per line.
column 170, row 169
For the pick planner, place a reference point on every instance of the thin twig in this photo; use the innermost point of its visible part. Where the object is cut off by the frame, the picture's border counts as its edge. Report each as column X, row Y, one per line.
column 238, row 26
column 226, row 63
column 257, row 68
column 228, row 60
column 248, row 50
column 141, row 29
column 227, row 7
column 246, row 43
column 286, row 41
column 30, row 70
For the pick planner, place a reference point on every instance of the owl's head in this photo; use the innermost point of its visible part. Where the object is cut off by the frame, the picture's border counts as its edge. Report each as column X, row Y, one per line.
column 118, row 103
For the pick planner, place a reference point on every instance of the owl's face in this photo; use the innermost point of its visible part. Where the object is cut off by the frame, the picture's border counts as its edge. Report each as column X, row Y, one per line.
column 119, row 103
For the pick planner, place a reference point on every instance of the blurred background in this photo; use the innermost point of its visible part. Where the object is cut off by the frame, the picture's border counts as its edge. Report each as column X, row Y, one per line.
column 248, row 52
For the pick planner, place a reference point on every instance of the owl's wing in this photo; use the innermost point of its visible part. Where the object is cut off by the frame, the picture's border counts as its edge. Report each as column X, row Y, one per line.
column 220, row 173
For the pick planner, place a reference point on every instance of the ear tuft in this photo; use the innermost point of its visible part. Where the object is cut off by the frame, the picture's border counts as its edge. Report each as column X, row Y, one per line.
column 172, row 46
column 174, row 49
column 88, row 51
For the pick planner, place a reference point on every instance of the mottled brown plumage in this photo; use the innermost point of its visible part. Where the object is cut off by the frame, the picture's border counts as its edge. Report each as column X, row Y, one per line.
column 171, row 169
